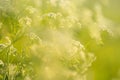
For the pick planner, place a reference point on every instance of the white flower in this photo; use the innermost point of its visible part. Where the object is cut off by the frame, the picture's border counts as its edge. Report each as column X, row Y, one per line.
column 31, row 10
column 25, row 21
column 52, row 15
column 2, row 46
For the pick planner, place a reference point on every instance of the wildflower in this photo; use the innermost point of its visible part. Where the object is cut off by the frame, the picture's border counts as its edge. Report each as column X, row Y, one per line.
column 52, row 15
column 12, row 50
column 26, row 21
column 2, row 46
column 8, row 40
column 78, row 44
column 31, row 10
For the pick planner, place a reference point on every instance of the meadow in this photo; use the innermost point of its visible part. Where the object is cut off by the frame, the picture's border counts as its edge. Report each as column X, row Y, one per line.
column 59, row 40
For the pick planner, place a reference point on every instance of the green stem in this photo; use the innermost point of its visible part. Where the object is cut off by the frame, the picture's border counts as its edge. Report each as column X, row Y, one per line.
column 8, row 64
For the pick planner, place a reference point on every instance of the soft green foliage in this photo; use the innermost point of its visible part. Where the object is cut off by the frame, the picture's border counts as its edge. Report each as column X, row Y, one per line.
column 51, row 39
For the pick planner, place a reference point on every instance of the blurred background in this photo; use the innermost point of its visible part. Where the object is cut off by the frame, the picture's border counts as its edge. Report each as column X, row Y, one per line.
column 107, row 64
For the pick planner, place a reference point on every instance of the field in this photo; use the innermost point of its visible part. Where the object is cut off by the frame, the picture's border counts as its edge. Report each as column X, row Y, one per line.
column 59, row 39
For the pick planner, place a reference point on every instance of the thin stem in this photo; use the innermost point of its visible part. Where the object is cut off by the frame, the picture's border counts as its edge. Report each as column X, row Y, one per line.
column 7, row 69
